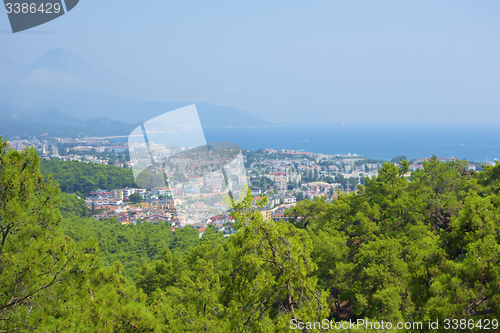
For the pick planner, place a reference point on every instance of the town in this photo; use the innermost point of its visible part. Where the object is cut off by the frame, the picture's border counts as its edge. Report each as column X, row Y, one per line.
column 196, row 193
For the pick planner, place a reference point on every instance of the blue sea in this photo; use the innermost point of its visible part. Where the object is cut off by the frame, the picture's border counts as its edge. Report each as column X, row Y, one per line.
column 474, row 143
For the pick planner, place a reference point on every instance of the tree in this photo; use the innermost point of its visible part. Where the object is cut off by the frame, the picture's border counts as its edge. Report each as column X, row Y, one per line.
column 135, row 198
column 186, row 290
column 47, row 282
column 71, row 204
column 377, row 254
column 443, row 187
column 456, row 274
column 490, row 178
column 271, row 279
column 81, row 178
column 33, row 256
column 184, row 239
column 398, row 159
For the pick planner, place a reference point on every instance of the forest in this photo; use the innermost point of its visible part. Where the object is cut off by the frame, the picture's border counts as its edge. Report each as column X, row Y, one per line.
column 403, row 249
column 82, row 178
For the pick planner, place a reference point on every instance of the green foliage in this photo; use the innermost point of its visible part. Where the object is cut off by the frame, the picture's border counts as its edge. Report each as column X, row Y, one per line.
column 410, row 249
column 47, row 282
column 187, row 289
column 135, row 198
column 490, row 177
column 73, row 205
column 184, row 239
column 33, row 257
column 399, row 159
column 127, row 244
column 457, row 274
column 403, row 249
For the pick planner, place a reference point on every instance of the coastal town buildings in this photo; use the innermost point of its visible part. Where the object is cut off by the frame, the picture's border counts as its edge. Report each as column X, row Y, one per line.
column 283, row 176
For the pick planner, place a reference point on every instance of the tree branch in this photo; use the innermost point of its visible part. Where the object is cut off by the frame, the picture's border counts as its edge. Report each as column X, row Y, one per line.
column 54, row 280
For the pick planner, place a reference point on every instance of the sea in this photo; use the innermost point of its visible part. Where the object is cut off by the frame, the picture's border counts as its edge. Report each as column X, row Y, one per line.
column 474, row 143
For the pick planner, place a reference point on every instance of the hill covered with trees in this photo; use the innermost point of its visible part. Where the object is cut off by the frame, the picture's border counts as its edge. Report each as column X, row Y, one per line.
column 82, row 178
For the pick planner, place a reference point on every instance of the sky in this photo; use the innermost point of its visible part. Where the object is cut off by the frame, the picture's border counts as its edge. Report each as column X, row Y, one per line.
column 289, row 61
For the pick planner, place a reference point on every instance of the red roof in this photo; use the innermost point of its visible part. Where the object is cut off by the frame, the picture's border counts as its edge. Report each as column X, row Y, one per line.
column 205, row 195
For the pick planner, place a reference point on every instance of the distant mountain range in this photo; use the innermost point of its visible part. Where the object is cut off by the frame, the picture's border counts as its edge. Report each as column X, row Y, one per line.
column 53, row 117
column 61, row 81
column 61, row 61
column 58, row 124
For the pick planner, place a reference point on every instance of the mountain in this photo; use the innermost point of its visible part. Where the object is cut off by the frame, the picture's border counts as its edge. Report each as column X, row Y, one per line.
column 104, row 124
column 59, row 60
column 53, row 117
column 62, row 81
column 134, row 110
column 56, row 124
column 9, row 111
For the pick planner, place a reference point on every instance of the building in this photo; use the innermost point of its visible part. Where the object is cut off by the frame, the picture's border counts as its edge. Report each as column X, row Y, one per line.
column 219, row 227
column 279, row 214
column 178, row 192
column 274, row 200
column 162, row 191
column 192, row 189
column 202, row 231
column 118, row 194
column 119, row 149
column 281, row 182
column 199, row 208
column 294, row 177
column 199, row 225
column 350, row 158
column 256, row 191
column 415, row 167
column 267, row 214
column 100, row 195
column 319, row 187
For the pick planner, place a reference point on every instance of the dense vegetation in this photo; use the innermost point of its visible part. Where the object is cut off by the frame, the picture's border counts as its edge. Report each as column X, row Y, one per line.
column 402, row 249
column 82, row 178
column 130, row 245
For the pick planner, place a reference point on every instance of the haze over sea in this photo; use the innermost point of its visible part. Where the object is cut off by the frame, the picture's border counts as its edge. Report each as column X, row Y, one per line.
column 376, row 142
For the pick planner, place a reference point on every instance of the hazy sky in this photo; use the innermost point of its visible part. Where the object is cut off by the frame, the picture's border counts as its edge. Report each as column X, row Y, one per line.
column 315, row 61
